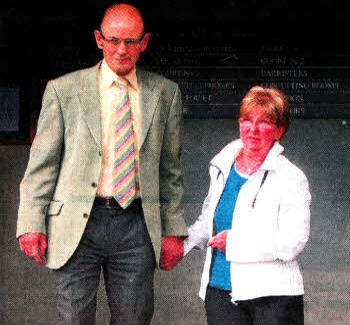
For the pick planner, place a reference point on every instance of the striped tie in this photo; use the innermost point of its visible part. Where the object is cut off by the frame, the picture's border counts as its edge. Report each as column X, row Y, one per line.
column 124, row 166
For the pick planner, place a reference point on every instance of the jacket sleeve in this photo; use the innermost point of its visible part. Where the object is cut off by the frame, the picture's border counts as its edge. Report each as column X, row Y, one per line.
column 171, row 181
column 38, row 183
column 200, row 232
column 290, row 234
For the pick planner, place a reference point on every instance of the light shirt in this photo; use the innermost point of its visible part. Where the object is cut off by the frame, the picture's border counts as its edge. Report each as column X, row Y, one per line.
column 109, row 95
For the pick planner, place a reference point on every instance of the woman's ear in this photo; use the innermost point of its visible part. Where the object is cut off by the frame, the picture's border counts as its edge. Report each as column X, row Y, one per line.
column 280, row 131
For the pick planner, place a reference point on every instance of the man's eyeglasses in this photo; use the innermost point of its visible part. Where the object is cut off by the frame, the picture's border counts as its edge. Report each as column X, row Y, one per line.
column 129, row 42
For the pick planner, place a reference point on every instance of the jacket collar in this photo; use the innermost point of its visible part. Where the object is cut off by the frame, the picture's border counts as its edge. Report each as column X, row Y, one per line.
column 270, row 162
column 149, row 97
column 90, row 101
column 225, row 158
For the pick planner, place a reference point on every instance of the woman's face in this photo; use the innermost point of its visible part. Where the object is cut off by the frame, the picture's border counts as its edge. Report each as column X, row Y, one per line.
column 258, row 132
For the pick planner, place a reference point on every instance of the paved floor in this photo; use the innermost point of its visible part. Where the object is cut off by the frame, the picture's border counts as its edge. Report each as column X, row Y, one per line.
column 319, row 147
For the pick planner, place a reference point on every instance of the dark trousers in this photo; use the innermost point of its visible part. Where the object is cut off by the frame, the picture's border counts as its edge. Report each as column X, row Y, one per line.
column 271, row 310
column 117, row 242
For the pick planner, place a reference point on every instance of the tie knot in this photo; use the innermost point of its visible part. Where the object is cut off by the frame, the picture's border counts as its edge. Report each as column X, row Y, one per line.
column 122, row 82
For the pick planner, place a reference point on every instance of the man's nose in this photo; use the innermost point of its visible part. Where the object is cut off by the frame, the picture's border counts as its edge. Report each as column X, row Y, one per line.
column 122, row 47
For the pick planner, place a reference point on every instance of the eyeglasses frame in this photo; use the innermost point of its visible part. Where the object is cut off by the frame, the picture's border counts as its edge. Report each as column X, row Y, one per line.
column 129, row 42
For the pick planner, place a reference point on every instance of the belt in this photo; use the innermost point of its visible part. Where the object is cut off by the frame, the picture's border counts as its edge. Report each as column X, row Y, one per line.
column 112, row 204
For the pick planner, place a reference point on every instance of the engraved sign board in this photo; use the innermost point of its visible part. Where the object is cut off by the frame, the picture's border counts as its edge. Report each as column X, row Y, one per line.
column 220, row 54
column 216, row 52
column 215, row 88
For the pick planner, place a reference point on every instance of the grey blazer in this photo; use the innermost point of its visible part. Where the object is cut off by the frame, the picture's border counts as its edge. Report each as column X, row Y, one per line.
column 59, row 185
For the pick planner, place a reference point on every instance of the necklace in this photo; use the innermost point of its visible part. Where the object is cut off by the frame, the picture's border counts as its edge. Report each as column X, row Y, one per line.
column 247, row 165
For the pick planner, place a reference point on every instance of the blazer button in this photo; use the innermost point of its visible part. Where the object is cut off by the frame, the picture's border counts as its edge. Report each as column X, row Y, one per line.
column 100, row 153
column 93, row 184
column 85, row 215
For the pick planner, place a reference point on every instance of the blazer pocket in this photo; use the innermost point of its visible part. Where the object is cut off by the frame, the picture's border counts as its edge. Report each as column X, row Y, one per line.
column 54, row 208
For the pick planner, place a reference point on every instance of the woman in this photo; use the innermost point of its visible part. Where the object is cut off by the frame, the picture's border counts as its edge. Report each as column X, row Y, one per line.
column 255, row 221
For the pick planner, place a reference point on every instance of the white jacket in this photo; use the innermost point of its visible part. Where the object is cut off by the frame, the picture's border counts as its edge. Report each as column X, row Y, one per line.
column 264, row 241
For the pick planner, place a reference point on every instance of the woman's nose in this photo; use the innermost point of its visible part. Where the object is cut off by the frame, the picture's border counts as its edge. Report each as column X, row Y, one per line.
column 254, row 127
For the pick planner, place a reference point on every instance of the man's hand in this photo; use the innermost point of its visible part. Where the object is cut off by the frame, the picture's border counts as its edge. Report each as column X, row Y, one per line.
column 34, row 245
column 171, row 253
column 219, row 241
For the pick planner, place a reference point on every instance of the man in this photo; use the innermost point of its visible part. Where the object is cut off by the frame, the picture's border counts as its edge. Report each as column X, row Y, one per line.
column 103, row 186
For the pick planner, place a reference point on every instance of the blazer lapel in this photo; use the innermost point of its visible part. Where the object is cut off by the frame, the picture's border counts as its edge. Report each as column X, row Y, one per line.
column 90, row 101
column 149, row 98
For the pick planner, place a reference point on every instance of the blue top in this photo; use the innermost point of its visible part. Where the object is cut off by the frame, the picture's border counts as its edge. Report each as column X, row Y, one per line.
column 220, row 271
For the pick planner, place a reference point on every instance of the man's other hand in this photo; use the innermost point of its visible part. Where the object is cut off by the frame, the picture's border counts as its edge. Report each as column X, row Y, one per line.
column 34, row 245
column 171, row 253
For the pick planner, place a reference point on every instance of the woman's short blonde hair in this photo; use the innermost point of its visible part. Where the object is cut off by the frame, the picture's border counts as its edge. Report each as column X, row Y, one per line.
column 271, row 100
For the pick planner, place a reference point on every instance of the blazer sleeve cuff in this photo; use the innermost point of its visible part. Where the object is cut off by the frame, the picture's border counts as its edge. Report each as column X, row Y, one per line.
column 33, row 222
column 174, row 226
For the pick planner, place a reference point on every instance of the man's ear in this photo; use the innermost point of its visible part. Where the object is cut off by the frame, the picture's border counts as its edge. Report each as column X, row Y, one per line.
column 99, row 39
column 145, row 41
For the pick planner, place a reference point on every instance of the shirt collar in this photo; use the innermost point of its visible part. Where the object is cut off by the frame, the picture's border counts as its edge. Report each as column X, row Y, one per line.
column 108, row 76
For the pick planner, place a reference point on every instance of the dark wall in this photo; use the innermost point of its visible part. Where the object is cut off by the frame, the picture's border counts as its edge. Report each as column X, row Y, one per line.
column 215, row 51
column 319, row 147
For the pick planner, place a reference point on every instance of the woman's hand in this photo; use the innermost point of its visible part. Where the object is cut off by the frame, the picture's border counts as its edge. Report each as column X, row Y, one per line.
column 219, row 241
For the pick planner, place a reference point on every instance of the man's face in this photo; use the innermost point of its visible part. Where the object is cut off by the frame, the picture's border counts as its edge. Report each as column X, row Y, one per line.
column 122, row 41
